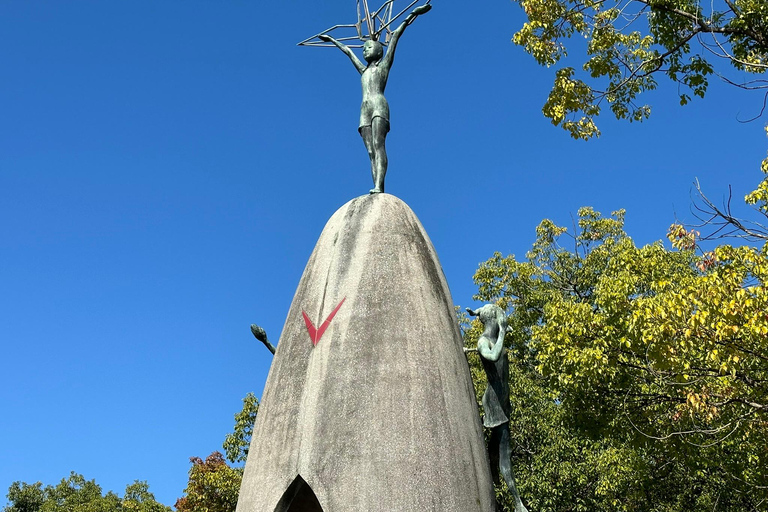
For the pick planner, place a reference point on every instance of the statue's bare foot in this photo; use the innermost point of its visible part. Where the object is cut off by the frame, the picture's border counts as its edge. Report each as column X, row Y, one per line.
column 375, row 191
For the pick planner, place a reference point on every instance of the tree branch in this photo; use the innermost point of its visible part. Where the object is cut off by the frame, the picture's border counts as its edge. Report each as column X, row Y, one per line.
column 751, row 230
column 702, row 25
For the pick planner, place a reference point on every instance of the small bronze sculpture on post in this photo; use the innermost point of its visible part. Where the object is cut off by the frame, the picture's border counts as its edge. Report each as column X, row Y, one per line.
column 374, row 112
column 496, row 406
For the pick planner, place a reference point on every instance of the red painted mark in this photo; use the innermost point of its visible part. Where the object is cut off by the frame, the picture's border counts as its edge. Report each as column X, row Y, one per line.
column 316, row 334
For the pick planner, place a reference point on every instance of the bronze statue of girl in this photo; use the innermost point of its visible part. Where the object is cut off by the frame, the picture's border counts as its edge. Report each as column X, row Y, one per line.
column 374, row 112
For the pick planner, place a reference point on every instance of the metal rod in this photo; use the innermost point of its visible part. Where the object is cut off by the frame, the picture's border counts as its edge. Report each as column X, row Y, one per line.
column 371, row 28
column 401, row 13
column 306, row 42
column 359, row 24
column 383, row 15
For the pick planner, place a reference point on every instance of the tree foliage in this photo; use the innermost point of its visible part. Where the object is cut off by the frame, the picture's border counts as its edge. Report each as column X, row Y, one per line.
column 236, row 443
column 630, row 43
column 213, row 484
column 76, row 494
column 640, row 374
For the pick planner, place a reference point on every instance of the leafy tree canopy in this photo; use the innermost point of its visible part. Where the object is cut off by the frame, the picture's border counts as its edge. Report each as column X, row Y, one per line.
column 639, row 374
column 630, row 43
column 76, row 494
column 236, row 443
column 213, row 484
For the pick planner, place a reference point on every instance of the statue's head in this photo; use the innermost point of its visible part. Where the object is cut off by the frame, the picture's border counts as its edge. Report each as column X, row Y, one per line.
column 372, row 51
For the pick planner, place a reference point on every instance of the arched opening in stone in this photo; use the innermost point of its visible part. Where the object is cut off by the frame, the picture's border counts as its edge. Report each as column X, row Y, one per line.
column 299, row 497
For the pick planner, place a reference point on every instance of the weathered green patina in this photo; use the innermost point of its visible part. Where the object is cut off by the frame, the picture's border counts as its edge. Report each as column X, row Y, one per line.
column 496, row 407
column 374, row 112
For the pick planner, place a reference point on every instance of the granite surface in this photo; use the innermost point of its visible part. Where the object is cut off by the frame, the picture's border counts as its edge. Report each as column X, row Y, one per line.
column 380, row 414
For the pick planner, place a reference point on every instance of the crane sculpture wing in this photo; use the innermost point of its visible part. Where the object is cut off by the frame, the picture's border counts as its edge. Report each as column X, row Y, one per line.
column 377, row 24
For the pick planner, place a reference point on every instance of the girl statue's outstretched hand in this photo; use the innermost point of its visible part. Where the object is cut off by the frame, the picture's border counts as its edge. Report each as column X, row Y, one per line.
column 422, row 9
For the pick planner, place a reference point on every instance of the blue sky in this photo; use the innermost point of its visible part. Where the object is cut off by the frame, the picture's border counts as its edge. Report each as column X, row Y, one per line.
column 167, row 167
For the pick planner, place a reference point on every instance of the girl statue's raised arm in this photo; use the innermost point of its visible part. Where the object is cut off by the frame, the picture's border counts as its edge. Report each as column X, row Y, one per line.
column 374, row 110
column 390, row 56
column 347, row 51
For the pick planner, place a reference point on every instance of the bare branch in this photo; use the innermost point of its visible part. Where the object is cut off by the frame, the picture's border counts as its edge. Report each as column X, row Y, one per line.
column 727, row 225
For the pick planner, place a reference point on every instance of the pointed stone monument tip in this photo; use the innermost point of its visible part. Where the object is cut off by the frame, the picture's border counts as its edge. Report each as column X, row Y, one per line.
column 369, row 403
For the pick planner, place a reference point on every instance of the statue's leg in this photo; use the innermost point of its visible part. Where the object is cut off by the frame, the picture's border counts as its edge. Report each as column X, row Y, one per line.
column 505, row 465
column 366, row 132
column 380, row 127
column 493, row 454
